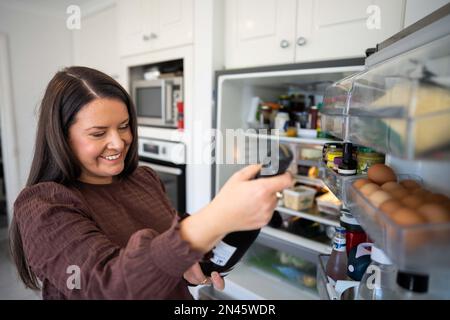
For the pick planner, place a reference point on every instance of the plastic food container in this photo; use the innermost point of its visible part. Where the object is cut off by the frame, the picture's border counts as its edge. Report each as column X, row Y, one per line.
column 420, row 247
column 299, row 198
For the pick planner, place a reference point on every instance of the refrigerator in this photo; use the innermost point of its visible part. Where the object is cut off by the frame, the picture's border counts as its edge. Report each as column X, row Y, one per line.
column 395, row 101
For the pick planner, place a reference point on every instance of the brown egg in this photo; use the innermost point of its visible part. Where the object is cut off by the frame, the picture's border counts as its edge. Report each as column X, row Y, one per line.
column 390, row 206
column 360, row 182
column 408, row 217
column 422, row 193
column 410, row 184
column 413, row 201
column 437, row 198
column 434, row 213
column 391, row 186
column 399, row 193
column 369, row 188
column 378, row 197
column 380, row 174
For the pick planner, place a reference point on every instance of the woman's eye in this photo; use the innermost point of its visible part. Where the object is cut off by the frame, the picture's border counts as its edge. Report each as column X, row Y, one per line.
column 98, row 134
column 125, row 126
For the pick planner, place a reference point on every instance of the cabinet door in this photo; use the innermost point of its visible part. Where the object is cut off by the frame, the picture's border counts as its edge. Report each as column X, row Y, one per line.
column 329, row 29
column 172, row 23
column 133, row 18
column 95, row 44
column 259, row 32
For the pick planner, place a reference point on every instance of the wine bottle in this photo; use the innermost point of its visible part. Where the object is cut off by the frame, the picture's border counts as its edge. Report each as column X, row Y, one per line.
column 229, row 251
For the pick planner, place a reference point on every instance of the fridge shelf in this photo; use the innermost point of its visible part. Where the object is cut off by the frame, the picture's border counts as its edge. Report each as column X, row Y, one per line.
column 313, row 214
column 283, row 240
column 400, row 107
column 295, row 140
column 337, row 183
column 247, row 282
column 421, row 247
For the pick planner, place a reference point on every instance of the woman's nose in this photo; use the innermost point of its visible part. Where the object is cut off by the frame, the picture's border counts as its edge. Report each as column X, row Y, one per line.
column 115, row 141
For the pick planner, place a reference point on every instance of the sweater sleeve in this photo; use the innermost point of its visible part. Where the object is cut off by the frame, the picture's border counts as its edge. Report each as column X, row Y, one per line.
column 59, row 237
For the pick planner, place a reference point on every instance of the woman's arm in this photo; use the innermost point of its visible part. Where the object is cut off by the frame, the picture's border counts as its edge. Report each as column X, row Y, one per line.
column 59, row 238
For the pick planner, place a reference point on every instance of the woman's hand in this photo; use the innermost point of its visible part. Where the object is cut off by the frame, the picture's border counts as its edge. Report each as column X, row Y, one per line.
column 243, row 203
column 195, row 275
column 246, row 204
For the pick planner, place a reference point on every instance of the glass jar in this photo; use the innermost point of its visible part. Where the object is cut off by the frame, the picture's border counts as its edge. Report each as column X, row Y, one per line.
column 367, row 157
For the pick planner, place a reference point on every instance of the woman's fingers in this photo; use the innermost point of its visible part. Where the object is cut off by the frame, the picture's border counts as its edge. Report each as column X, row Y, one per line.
column 217, row 281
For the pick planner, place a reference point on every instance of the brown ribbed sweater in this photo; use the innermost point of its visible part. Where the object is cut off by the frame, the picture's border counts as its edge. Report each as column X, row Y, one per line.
column 123, row 236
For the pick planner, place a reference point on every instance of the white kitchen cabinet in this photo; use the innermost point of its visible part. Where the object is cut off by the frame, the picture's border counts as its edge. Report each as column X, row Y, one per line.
column 288, row 31
column 150, row 25
column 95, row 43
column 332, row 29
column 259, row 32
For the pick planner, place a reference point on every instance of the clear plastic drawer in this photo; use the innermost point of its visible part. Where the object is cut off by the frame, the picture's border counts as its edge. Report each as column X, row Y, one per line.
column 419, row 247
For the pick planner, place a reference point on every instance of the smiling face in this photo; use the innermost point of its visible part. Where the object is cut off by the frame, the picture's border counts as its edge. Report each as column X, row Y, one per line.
column 100, row 138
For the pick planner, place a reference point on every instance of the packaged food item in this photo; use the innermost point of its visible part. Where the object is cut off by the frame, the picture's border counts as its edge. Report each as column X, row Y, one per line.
column 330, row 146
column 367, row 157
column 348, row 165
column 280, row 121
column 299, row 198
column 331, row 154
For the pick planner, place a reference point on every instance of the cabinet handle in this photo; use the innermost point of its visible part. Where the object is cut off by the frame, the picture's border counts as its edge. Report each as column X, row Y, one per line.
column 284, row 44
column 151, row 36
column 301, row 41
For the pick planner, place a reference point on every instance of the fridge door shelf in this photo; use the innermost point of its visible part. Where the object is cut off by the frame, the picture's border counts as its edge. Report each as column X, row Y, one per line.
column 399, row 107
column 336, row 182
column 421, row 247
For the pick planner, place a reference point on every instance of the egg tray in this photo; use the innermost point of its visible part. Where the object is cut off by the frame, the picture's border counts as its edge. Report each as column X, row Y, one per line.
column 336, row 182
column 422, row 247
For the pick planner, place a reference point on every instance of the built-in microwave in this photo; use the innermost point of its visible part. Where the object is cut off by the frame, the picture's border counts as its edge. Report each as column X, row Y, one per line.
column 156, row 101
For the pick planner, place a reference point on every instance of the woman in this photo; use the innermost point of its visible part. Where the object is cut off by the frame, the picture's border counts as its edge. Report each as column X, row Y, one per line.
column 91, row 224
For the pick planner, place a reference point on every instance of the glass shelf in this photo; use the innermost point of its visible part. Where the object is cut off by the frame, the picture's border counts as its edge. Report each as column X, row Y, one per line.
column 312, row 214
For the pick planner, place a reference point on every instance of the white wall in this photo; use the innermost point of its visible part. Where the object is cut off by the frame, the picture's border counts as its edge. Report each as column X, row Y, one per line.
column 39, row 45
column 208, row 57
column 417, row 9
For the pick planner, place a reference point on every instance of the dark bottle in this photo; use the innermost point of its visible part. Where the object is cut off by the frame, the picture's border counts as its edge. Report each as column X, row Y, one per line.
column 233, row 246
column 348, row 165
column 276, row 221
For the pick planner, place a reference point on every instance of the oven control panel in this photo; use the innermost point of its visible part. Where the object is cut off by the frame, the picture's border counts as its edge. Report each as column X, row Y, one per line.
column 169, row 151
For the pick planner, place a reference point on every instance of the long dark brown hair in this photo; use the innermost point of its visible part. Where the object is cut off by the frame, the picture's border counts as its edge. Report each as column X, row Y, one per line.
column 68, row 91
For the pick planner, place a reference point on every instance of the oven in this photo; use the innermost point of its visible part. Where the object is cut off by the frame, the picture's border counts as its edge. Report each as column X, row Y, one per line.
column 168, row 159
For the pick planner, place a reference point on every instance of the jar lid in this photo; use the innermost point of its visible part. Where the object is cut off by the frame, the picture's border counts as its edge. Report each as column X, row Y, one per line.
column 379, row 256
column 413, row 281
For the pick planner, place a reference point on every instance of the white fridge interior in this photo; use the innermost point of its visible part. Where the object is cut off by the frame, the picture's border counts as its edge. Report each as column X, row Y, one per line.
column 236, row 93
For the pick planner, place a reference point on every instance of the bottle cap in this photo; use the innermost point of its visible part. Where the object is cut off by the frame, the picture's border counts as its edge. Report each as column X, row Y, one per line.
column 379, row 256
column 413, row 281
